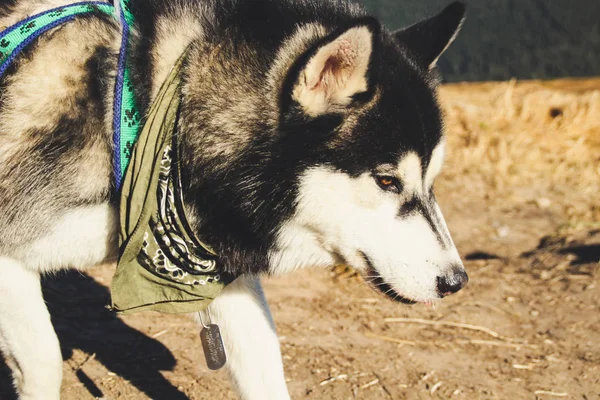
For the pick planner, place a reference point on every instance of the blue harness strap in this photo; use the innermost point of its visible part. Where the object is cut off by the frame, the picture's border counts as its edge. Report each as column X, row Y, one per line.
column 15, row 38
column 126, row 115
column 126, row 118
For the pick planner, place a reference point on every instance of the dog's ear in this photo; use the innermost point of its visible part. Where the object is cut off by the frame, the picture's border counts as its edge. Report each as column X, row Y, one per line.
column 336, row 69
column 428, row 39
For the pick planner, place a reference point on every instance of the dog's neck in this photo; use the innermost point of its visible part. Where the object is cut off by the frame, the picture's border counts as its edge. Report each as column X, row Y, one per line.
column 172, row 35
column 236, row 189
column 206, row 115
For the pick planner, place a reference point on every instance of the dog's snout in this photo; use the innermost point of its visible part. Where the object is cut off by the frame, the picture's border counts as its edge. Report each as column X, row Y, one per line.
column 453, row 282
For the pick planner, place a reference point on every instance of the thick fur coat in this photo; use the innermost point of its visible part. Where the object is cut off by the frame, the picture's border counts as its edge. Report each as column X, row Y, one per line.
column 309, row 136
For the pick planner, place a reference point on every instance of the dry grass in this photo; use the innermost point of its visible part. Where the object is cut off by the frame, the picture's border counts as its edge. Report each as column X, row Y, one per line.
column 526, row 139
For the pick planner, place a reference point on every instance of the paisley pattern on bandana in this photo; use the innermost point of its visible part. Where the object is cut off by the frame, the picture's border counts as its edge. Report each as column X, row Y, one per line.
column 168, row 250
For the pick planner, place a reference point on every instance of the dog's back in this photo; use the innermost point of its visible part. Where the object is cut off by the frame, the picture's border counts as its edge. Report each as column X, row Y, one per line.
column 54, row 145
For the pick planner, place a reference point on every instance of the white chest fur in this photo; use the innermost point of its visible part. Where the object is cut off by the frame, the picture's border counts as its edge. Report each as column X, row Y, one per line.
column 83, row 237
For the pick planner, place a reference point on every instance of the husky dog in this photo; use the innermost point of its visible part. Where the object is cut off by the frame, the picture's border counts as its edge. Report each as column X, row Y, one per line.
column 310, row 136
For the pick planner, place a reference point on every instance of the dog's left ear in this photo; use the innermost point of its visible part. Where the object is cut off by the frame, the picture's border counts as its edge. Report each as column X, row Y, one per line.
column 428, row 39
column 336, row 69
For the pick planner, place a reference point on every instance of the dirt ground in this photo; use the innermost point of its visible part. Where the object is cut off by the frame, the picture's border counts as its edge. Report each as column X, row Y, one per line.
column 521, row 196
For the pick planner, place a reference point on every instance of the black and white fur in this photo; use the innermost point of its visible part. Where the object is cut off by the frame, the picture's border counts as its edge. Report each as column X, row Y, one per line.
column 310, row 136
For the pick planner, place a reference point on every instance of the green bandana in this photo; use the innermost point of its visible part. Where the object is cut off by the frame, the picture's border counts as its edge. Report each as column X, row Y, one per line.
column 162, row 265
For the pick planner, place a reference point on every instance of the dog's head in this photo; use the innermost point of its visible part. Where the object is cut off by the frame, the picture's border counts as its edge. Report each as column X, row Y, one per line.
column 343, row 170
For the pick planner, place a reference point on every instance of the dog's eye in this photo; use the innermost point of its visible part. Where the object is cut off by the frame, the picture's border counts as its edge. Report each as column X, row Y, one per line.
column 388, row 183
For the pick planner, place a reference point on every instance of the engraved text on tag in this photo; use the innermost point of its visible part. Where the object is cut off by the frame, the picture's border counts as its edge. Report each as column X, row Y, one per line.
column 214, row 351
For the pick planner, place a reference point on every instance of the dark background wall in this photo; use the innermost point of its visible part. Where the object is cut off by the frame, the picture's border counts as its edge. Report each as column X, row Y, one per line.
column 502, row 39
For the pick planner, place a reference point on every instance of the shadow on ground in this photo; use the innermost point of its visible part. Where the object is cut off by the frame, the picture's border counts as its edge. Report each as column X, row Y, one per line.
column 585, row 253
column 77, row 305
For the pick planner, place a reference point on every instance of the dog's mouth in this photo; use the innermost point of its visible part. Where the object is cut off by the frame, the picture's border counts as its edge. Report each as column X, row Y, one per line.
column 380, row 285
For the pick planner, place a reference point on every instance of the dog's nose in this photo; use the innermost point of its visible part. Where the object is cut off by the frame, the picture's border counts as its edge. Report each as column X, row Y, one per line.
column 456, row 280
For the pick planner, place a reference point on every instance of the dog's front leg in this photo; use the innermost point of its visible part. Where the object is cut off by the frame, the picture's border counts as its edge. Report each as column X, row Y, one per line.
column 27, row 338
column 253, row 355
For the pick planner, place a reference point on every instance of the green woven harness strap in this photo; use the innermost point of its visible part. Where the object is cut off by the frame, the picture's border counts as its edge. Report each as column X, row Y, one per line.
column 126, row 115
column 16, row 37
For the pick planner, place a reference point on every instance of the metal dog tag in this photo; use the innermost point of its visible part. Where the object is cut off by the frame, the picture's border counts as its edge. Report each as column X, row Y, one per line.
column 214, row 350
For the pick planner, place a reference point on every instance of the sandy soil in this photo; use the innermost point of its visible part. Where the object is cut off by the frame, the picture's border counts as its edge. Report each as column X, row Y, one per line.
column 520, row 193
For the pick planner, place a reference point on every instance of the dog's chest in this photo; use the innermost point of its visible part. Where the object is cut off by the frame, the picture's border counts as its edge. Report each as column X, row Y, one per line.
column 83, row 237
